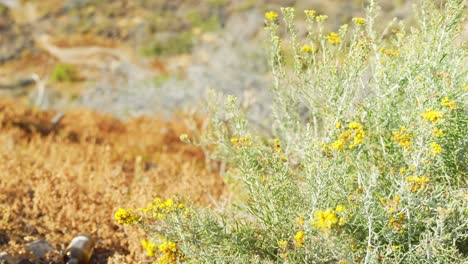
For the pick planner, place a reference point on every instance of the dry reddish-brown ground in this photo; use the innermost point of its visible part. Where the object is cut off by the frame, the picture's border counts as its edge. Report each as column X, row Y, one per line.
column 57, row 183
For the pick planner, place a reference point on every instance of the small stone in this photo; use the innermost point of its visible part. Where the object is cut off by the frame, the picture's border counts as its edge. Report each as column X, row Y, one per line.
column 4, row 239
column 39, row 248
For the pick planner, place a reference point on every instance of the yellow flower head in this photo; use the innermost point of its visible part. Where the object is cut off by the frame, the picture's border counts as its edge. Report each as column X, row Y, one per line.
column 310, row 13
column 417, row 182
column 123, row 216
column 402, row 138
column 437, row 132
column 340, row 208
column 168, row 246
column 338, row 125
column 282, row 244
column 149, row 247
column 333, row 38
column 360, row 21
column 432, row 116
column 271, row 16
column 436, row 148
column 321, row 18
column 338, row 145
column 355, row 125
column 390, row 53
column 449, row 104
column 306, row 48
column 299, row 239
column 325, row 219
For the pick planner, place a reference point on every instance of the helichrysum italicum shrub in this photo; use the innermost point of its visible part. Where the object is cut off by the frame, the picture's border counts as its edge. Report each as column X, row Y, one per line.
column 368, row 158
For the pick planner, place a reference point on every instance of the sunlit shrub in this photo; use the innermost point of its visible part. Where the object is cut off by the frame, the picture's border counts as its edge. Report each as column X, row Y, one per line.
column 366, row 157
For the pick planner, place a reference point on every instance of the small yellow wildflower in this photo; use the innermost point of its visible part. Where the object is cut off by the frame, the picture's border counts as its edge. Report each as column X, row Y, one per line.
column 355, row 125
column 402, row 138
column 396, row 223
column 391, row 204
column 306, row 48
column 310, row 13
column 168, row 246
column 284, row 255
column 389, row 52
column 169, row 253
column 395, row 247
column 402, row 170
column 271, row 16
column 338, row 125
column 321, row 18
column 360, row 21
column 123, row 216
column 340, row 208
column 417, row 182
column 449, row 104
column 325, row 219
column 149, row 247
column 299, row 239
column 241, row 141
column 436, row 148
column 437, row 132
column 432, row 116
column 333, row 38
column 338, row 145
column 283, row 244
column 300, row 221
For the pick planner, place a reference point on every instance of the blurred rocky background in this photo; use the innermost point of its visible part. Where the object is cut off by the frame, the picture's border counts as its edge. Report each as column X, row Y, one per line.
column 138, row 57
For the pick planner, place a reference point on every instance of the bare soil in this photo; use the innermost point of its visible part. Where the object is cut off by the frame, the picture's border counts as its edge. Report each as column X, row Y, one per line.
column 59, row 181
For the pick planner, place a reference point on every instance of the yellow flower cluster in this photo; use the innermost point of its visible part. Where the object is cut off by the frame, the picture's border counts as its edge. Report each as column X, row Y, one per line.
column 333, row 38
column 127, row 217
column 309, row 49
column 310, row 13
column 417, row 182
column 360, row 21
column 278, row 149
column 397, row 223
column 241, row 141
column 437, row 132
column 158, row 209
column 299, row 239
column 300, row 235
column 402, row 138
column 149, row 247
column 321, row 18
column 283, row 246
column 390, row 53
column 432, row 116
column 447, row 103
column 327, row 219
column 277, row 146
column 169, row 253
column 350, row 138
column 271, row 16
column 391, row 204
column 436, row 148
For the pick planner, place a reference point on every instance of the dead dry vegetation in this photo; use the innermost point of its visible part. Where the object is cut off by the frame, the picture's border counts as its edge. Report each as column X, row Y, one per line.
column 56, row 183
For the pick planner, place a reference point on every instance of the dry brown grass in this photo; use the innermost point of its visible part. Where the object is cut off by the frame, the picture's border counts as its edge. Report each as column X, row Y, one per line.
column 55, row 185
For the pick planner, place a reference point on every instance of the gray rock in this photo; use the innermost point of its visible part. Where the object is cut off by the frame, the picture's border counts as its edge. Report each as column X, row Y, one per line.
column 39, row 248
